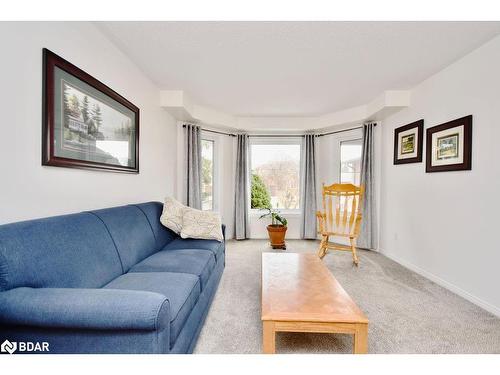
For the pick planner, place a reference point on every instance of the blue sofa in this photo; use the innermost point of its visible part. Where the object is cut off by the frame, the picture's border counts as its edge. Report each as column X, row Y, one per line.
column 106, row 281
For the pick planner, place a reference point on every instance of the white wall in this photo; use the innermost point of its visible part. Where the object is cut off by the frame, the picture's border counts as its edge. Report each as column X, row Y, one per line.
column 445, row 225
column 28, row 190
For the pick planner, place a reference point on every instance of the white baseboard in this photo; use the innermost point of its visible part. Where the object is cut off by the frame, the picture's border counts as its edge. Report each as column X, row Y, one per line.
column 445, row 284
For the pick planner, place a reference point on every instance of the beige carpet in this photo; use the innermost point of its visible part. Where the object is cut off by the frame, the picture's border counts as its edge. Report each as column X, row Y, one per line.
column 407, row 312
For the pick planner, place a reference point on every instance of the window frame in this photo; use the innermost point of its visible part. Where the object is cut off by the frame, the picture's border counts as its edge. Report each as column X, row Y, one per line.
column 285, row 140
column 342, row 140
column 205, row 136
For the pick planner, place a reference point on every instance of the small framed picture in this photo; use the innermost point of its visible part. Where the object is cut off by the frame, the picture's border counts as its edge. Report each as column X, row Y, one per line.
column 408, row 142
column 449, row 146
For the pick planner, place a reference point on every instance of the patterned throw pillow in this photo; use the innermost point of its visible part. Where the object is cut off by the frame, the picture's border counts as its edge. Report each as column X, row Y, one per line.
column 172, row 214
column 205, row 225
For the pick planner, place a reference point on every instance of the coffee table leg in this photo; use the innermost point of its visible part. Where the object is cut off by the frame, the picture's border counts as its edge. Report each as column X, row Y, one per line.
column 268, row 337
column 361, row 339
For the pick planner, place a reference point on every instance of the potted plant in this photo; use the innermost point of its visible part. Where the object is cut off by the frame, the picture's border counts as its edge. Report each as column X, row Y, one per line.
column 277, row 228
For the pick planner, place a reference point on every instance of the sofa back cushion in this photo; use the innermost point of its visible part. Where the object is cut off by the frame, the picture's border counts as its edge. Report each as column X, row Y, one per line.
column 153, row 211
column 131, row 232
column 70, row 251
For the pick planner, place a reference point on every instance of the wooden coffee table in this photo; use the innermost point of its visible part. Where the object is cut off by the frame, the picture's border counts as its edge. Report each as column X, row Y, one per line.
column 299, row 294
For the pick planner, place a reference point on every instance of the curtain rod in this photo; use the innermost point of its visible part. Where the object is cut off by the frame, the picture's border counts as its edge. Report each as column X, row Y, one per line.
column 215, row 131
column 280, row 135
column 341, row 131
column 275, row 135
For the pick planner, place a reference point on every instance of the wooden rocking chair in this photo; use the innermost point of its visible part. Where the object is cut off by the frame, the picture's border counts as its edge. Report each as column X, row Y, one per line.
column 341, row 217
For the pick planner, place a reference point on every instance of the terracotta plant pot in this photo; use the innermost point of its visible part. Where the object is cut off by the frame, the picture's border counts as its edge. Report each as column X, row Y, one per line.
column 277, row 236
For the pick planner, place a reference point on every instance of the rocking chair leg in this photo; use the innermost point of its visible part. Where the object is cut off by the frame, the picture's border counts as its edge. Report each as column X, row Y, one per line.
column 320, row 249
column 353, row 249
column 323, row 247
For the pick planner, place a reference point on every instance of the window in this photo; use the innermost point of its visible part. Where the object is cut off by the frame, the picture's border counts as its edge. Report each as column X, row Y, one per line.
column 350, row 161
column 275, row 174
column 207, row 174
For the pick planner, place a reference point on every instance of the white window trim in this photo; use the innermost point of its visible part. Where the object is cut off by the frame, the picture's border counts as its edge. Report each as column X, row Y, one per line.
column 351, row 135
column 353, row 138
column 329, row 146
column 254, row 212
column 216, row 183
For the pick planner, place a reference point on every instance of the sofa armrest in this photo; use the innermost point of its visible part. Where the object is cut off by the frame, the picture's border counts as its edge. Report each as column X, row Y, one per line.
column 105, row 309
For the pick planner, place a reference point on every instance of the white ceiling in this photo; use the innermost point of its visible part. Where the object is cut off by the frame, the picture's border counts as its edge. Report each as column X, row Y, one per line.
column 293, row 68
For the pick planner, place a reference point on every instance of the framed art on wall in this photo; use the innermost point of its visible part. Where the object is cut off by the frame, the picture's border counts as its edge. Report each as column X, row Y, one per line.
column 408, row 143
column 85, row 123
column 449, row 146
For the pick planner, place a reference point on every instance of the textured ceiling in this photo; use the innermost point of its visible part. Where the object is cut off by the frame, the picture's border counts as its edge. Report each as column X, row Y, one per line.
column 293, row 68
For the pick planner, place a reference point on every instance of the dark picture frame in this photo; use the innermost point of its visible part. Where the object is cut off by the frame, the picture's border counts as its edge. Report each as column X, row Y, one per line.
column 113, row 122
column 449, row 146
column 414, row 134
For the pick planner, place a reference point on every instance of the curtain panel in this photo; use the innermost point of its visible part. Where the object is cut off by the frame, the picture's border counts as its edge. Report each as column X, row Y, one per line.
column 308, row 188
column 368, row 234
column 192, row 135
column 241, row 188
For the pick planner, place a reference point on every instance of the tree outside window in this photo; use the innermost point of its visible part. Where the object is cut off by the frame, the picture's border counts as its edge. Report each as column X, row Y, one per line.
column 260, row 196
column 275, row 176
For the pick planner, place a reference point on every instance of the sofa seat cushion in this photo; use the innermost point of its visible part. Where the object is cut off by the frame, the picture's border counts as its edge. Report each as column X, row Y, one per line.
column 194, row 262
column 181, row 289
column 216, row 247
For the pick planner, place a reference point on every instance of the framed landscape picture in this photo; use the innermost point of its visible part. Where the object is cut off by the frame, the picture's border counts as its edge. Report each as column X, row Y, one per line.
column 85, row 123
column 408, row 143
column 449, row 146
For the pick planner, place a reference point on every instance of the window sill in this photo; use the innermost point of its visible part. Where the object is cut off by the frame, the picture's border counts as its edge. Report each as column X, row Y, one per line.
column 253, row 212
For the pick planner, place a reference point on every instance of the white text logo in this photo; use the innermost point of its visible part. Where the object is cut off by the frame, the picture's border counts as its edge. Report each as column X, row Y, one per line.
column 22, row 346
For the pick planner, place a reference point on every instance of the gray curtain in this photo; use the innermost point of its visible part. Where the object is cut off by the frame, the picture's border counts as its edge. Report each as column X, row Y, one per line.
column 368, row 233
column 192, row 146
column 241, row 188
column 308, row 188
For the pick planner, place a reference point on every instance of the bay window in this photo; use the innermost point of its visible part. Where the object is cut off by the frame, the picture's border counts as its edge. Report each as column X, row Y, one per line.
column 275, row 173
